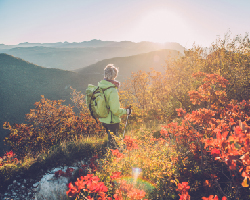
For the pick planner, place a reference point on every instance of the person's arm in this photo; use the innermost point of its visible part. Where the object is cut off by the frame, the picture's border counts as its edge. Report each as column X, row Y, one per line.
column 115, row 104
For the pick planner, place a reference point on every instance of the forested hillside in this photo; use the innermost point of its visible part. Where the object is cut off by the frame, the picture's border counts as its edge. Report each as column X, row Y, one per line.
column 127, row 65
column 22, row 84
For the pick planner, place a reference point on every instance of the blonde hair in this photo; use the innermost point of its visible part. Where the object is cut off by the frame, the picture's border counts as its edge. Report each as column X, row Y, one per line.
column 110, row 72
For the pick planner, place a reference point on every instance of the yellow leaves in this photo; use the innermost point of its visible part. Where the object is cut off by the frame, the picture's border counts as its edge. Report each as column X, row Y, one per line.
column 39, row 138
column 244, row 183
column 153, row 158
column 7, row 125
column 148, row 92
column 175, row 181
column 50, row 123
column 207, row 183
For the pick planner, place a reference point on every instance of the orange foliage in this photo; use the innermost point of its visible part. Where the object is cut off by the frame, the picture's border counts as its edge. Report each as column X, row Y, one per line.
column 220, row 128
column 8, row 158
column 183, row 189
column 90, row 187
column 51, row 123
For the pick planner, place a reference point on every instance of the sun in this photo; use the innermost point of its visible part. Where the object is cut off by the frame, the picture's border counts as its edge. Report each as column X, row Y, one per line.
column 162, row 26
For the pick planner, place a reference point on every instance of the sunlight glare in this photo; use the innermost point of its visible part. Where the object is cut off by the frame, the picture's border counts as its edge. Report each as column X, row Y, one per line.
column 162, row 26
column 135, row 173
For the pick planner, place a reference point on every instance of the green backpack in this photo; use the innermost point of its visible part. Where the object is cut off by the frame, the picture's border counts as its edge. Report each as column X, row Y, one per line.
column 96, row 101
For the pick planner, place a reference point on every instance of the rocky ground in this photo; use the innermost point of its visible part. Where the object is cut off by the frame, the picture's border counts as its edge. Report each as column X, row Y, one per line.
column 44, row 186
column 22, row 189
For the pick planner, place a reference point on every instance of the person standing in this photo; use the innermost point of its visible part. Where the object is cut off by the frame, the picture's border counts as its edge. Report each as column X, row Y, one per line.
column 110, row 87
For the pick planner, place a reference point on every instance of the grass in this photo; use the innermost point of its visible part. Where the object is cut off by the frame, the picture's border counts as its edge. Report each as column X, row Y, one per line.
column 66, row 153
column 158, row 161
column 153, row 158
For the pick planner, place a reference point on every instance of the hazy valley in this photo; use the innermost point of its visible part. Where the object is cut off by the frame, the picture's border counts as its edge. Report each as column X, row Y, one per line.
column 71, row 56
column 23, row 83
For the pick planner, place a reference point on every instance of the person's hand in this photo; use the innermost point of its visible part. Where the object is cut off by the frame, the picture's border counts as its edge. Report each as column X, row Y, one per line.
column 129, row 110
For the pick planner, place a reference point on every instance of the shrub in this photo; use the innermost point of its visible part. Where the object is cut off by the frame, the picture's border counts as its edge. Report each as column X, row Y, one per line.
column 8, row 158
column 216, row 135
column 145, row 168
column 50, row 123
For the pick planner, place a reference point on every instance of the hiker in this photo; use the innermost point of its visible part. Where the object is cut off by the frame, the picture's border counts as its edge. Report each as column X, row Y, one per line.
column 112, row 121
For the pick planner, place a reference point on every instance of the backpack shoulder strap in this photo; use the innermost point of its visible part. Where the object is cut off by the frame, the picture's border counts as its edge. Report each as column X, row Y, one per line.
column 106, row 100
column 105, row 90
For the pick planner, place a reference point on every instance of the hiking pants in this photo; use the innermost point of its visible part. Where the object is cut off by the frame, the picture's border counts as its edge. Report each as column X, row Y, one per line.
column 111, row 128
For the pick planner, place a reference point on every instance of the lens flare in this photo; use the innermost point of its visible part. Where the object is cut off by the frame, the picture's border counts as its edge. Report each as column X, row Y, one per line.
column 135, row 173
column 137, row 181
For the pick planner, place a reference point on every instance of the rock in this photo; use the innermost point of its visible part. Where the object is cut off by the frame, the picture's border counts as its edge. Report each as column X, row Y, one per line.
column 45, row 186
column 51, row 187
column 36, row 184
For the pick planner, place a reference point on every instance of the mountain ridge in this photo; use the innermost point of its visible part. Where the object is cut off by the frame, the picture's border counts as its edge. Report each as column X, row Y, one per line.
column 71, row 56
column 91, row 43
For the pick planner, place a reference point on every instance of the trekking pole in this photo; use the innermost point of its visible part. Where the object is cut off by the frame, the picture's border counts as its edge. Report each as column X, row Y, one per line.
column 120, row 149
column 126, row 122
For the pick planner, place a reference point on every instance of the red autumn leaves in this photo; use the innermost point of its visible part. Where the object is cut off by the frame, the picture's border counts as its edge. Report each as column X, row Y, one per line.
column 221, row 126
column 130, row 143
column 68, row 173
column 91, row 188
column 183, row 190
column 8, row 158
column 88, row 184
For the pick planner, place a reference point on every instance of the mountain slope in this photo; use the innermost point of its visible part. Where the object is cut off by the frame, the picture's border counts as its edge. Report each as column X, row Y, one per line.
column 127, row 65
column 23, row 83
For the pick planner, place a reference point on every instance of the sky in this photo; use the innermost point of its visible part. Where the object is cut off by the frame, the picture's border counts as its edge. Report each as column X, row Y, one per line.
column 186, row 22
